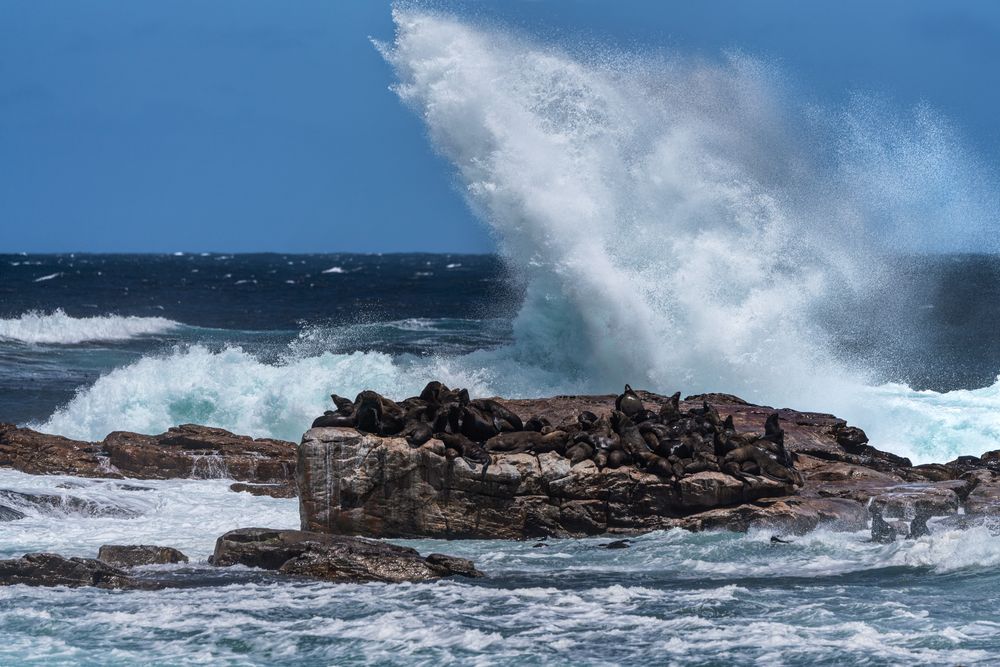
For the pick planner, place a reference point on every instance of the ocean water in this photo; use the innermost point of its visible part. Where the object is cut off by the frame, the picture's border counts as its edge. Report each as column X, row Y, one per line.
column 672, row 223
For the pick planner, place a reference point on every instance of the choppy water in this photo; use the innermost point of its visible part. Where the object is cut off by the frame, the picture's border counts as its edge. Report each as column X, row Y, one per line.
column 671, row 598
column 670, row 223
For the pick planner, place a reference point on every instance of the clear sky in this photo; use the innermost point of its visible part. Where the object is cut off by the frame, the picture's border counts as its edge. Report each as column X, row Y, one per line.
column 246, row 125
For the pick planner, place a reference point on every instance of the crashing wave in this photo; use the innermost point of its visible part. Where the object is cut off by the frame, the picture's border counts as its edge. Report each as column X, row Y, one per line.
column 58, row 328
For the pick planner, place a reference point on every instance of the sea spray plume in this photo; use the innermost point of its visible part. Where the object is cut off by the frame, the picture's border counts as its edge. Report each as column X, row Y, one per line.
column 675, row 220
column 642, row 201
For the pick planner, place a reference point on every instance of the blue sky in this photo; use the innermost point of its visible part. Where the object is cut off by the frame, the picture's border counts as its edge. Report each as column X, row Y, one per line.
column 244, row 125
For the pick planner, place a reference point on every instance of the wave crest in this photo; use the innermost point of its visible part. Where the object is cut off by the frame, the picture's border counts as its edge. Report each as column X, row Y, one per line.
column 58, row 328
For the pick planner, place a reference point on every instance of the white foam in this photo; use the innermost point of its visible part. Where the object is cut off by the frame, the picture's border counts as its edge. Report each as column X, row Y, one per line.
column 59, row 328
column 47, row 277
column 185, row 514
column 334, row 269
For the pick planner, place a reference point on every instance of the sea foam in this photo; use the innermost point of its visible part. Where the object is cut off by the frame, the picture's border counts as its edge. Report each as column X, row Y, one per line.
column 58, row 328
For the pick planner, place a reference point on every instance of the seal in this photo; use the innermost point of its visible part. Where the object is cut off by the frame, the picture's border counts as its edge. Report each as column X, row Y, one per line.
column 629, row 402
column 476, row 426
column 882, row 532
column 417, row 433
column 333, row 419
column 918, row 527
column 671, row 410
column 344, row 405
column 368, row 412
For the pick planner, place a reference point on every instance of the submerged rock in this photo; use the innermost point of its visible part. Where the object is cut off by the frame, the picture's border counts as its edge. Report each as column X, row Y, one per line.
column 271, row 490
column 10, row 514
column 52, row 503
column 333, row 558
column 43, row 569
column 134, row 555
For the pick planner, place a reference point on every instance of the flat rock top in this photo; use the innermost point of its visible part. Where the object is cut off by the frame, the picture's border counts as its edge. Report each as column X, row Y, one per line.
column 803, row 430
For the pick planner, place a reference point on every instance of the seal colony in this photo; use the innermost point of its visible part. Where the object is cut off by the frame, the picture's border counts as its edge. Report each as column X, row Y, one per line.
column 668, row 443
column 445, row 465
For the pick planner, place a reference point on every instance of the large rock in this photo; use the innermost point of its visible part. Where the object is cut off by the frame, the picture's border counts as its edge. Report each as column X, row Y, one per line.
column 44, row 569
column 188, row 450
column 135, row 555
column 352, row 482
column 333, row 558
column 43, row 454
column 360, row 484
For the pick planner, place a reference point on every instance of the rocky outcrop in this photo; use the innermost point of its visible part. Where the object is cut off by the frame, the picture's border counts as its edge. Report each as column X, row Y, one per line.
column 418, row 483
column 443, row 465
column 44, row 569
column 200, row 451
column 135, row 555
column 359, row 484
column 333, row 558
column 43, row 454
column 188, row 450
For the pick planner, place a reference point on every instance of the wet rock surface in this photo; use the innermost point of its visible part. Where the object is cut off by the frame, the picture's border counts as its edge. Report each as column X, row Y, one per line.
column 183, row 451
column 272, row 490
column 20, row 502
column 135, row 555
column 43, row 569
column 443, row 465
column 333, row 558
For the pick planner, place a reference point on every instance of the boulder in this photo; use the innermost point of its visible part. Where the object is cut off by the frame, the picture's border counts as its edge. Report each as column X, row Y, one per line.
column 43, row 569
column 196, row 451
column 134, row 555
column 333, row 558
column 43, row 454
column 188, row 450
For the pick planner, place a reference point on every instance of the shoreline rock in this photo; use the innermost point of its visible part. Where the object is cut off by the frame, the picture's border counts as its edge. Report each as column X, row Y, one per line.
column 45, row 569
column 293, row 553
column 413, row 484
column 383, row 484
column 135, row 555
column 333, row 558
column 185, row 451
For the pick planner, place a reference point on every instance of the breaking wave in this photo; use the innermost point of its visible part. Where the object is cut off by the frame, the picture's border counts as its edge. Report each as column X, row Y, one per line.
column 58, row 328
